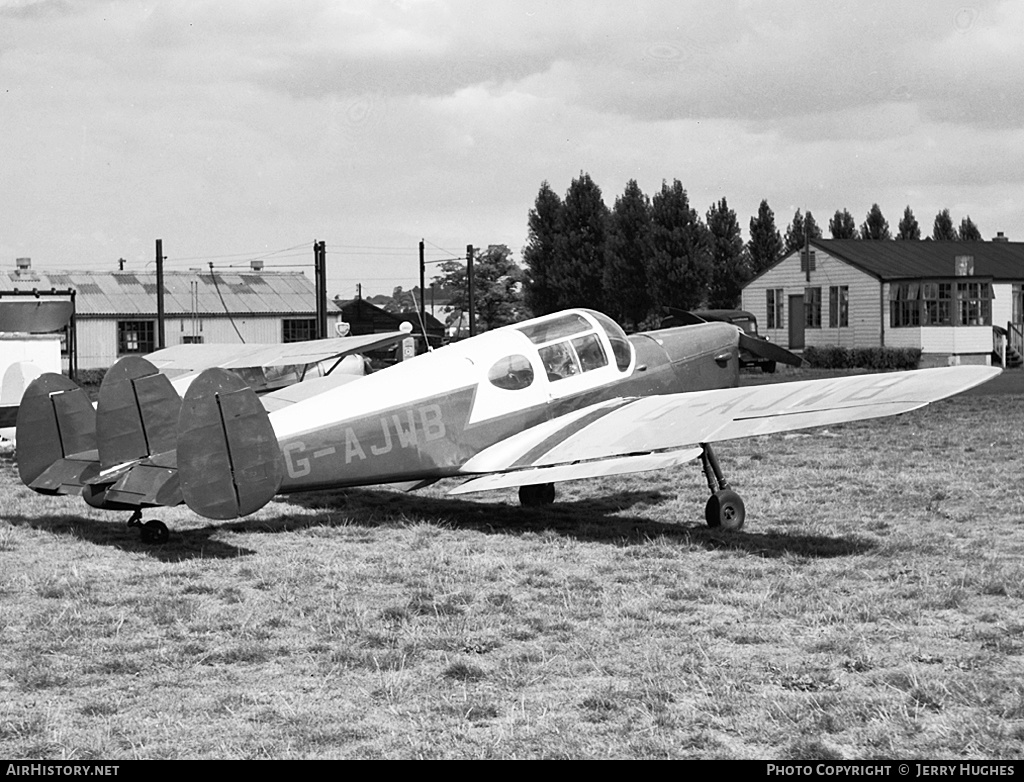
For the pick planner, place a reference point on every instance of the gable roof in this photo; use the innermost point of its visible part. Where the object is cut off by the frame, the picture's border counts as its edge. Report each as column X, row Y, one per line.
column 134, row 293
column 897, row 259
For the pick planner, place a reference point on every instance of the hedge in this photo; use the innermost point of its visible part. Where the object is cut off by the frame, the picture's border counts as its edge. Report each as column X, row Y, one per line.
column 834, row 357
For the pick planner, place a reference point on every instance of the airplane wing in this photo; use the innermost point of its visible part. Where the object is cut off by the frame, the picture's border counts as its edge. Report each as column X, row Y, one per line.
column 195, row 358
column 625, row 432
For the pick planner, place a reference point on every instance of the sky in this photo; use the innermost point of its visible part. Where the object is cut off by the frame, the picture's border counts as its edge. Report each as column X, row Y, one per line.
column 243, row 129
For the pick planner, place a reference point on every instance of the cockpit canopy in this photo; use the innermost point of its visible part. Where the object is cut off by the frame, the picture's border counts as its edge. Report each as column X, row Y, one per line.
column 568, row 344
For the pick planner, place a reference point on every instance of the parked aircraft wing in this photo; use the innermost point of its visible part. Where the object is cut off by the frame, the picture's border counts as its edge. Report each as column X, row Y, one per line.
column 673, row 421
column 195, row 358
column 569, row 472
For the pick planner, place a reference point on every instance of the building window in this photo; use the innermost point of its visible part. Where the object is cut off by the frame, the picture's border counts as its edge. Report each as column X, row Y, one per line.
column 299, row 329
column 191, row 340
column 940, row 303
column 975, row 300
column 807, row 261
column 839, row 306
column 135, row 336
column 775, row 299
column 812, row 308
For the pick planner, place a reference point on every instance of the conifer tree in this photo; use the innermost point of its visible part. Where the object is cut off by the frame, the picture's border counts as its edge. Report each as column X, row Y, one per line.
column 765, row 245
column 943, row 230
column 730, row 267
column 628, row 247
column 539, row 252
column 875, row 226
column 842, row 225
column 679, row 269
column 909, row 229
column 969, row 231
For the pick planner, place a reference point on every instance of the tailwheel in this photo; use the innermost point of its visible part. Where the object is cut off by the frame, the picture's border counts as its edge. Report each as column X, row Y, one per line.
column 725, row 511
column 155, row 532
column 537, row 494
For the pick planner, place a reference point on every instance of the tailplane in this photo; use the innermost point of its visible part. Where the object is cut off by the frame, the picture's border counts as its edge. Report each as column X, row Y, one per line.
column 229, row 463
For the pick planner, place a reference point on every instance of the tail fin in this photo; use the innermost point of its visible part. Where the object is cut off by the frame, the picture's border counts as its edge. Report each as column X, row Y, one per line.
column 56, row 436
column 136, row 414
column 229, row 463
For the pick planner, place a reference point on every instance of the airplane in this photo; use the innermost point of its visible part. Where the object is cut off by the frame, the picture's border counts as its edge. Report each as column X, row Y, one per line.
column 555, row 398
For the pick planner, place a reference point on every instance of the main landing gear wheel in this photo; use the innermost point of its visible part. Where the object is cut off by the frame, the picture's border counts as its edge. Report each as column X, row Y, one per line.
column 537, row 494
column 725, row 511
column 155, row 532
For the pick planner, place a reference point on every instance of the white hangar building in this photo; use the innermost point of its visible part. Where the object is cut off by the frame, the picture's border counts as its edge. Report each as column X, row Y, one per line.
column 959, row 302
column 116, row 312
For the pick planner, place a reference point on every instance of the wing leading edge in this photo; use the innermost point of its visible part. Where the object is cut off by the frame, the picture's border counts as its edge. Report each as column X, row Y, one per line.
column 623, row 432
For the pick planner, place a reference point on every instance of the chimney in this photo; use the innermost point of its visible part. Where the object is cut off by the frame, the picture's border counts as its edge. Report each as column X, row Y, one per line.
column 257, row 266
column 24, row 265
column 1000, row 237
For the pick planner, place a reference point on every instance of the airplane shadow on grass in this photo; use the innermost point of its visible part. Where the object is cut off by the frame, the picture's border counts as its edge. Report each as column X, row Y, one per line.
column 184, row 544
column 616, row 519
column 609, row 519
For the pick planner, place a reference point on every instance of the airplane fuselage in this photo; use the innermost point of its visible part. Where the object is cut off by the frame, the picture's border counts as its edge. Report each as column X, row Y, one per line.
column 425, row 418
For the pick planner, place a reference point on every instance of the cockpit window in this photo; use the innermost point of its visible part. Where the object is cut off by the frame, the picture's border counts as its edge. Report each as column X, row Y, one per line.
column 511, row 373
column 620, row 345
column 559, row 361
column 563, row 326
column 591, row 354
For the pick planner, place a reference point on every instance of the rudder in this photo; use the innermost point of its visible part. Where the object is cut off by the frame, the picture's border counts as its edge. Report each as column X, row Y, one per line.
column 229, row 463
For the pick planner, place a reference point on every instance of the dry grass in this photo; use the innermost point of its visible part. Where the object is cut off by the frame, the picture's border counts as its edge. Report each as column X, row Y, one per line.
column 873, row 607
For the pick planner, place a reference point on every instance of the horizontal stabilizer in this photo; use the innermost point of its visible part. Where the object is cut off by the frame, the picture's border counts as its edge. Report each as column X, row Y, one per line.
column 571, row 472
column 67, row 475
column 136, row 413
column 229, row 463
column 55, row 420
column 146, row 484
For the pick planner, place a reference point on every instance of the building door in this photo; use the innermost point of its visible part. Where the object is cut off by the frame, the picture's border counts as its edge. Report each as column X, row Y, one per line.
column 796, row 322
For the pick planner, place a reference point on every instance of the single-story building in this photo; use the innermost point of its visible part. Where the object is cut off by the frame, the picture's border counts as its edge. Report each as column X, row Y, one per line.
column 959, row 302
column 116, row 312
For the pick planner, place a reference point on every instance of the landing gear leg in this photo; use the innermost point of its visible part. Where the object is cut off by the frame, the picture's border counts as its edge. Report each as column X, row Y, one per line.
column 536, row 495
column 725, row 509
column 152, row 531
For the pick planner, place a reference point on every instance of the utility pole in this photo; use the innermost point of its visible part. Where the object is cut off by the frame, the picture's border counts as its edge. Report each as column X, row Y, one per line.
column 423, row 303
column 160, row 342
column 320, row 274
column 469, row 282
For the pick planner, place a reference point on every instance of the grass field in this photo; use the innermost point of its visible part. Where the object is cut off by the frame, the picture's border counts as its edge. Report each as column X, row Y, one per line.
column 872, row 608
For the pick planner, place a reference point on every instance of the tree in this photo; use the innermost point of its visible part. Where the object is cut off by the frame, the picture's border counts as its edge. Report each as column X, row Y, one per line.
column 969, row 231
column 842, row 225
column 627, row 248
column 402, row 301
column 679, row 268
column 497, row 287
column 800, row 230
column 943, row 230
column 539, row 253
column 875, row 226
column 577, row 275
column 909, row 229
column 765, row 245
column 730, row 266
